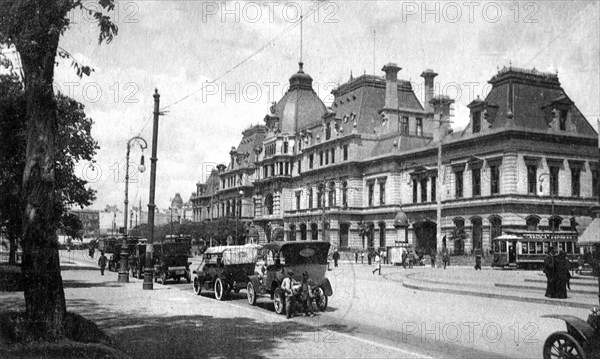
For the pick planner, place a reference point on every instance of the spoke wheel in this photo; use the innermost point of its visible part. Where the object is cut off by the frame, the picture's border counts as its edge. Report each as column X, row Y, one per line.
column 279, row 301
column 219, row 289
column 321, row 300
column 562, row 345
column 251, row 293
column 197, row 286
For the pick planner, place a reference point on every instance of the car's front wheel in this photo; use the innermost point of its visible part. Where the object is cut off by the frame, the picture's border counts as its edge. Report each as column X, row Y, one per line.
column 220, row 289
column 279, row 301
column 562, row 345
column 251, row 292
column 197, row 286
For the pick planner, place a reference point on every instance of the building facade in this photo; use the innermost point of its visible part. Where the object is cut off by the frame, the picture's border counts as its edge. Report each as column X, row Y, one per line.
column 378, row 169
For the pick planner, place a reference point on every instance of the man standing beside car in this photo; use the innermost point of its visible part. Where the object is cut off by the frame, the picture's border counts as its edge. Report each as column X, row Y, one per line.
column 287, row 285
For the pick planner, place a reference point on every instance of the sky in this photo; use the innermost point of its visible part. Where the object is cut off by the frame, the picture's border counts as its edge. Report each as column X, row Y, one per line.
column 219, row 65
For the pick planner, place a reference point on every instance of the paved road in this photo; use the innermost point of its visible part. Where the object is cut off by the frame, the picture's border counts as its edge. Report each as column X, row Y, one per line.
column 368, row 316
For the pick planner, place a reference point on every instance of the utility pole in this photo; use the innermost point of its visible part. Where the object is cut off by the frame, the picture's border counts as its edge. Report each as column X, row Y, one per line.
column 149, row 267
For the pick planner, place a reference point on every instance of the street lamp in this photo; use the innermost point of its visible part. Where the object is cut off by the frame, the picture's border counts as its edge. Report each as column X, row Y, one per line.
column 552, row 219
column 123, row 271
column 238, row 216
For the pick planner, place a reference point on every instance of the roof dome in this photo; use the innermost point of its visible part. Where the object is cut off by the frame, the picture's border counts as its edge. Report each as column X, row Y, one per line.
column 401, row 220
column 300, row 107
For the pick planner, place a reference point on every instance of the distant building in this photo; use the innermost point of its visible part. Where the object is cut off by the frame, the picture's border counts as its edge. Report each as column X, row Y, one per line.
column 90, row 220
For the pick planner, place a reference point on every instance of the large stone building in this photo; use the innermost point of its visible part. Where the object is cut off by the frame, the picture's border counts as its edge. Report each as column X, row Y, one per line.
column 379, row 169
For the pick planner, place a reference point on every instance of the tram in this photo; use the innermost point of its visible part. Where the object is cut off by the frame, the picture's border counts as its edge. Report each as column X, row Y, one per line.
column 525, row 249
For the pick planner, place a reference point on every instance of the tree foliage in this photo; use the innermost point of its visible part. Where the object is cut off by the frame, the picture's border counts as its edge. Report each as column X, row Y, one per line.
column 74, row 144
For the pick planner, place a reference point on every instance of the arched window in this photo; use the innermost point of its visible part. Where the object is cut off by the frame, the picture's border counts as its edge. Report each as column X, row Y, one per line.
column 292, row 232
column 477, row 233
column 285, row 147
column 269, row 204
column 555, row 223
column 382, row 235
column 495, row 227
column 532, row 223
column 314, row 230
column 303, row 231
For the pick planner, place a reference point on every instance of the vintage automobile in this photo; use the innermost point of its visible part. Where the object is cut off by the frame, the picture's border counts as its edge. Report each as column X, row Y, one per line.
column 225, row 268
column 171, row 261
column 115, row 258
column 302, row 257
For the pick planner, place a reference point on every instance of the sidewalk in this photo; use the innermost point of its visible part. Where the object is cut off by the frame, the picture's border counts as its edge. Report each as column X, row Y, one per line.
column 517, row 285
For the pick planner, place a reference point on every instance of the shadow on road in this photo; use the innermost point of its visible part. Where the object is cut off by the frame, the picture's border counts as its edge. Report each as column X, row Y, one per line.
column 195, row 336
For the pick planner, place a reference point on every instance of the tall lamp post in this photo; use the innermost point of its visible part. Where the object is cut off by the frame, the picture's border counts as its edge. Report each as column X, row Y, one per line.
column 238, row 216
column 123, row 271
column 541, row 180
column 148, row 268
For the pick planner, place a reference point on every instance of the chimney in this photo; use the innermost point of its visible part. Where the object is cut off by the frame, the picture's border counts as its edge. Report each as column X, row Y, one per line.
column 428, row 75
column 390, row 108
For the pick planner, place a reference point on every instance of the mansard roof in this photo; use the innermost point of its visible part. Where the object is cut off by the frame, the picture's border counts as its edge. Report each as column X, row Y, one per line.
column 252, row 138
column 364, row 97
column 530, row 96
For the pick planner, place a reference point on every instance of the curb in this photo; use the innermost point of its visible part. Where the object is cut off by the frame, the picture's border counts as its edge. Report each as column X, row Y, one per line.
column 498, row 296
column 516, row 286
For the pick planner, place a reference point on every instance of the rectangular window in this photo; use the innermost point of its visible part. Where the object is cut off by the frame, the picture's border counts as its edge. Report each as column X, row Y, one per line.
column 494, row 179
column 299, row 167
column 326, row 157
column 433, row 189
column 419, row 126
column 575, row 182
column 554, row 171
column 381, row 192
column 458, row 184
column 415, row 191
column 476, row 121
column 311, row 159
column 404, row 125
column 476, row 181
column 595, row 182
column 371, row 193
column 333, row 155
column 345, row 152
column 321, row 158
column 310, row 198
column 424, row 190
column 531, row 179
column 298, row 200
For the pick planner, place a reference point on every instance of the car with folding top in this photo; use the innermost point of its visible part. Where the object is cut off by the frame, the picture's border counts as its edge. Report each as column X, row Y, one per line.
column 224, row 269
column 308, row 258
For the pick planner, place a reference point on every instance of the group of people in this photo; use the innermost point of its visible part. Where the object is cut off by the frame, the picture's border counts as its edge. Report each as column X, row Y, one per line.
column 556, row 269
column 303, row 293
column 371, row 256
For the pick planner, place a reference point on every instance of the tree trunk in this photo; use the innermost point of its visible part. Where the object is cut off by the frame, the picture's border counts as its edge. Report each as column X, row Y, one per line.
column 44, row 294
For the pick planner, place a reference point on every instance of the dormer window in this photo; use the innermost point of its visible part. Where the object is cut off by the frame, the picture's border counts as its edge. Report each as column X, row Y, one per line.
column 285, row 147
column 476, row 121
column 419, row 127
column 328, row 131
column 404, row 125
column 562, row 121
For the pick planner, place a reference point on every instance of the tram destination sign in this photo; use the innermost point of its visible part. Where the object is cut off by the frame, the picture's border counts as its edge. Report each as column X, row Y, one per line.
column 550, row 236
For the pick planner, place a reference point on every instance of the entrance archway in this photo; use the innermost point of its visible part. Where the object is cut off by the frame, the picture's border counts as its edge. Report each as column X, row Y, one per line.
column 425, row 233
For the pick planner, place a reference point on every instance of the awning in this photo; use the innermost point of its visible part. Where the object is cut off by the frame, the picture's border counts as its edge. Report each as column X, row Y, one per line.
column 591, row 235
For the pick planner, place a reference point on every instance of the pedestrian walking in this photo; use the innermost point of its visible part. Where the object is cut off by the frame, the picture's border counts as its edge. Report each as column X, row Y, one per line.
column 549, row 271
column 445, row 258
column 432, row 257
column 369, row 257
column 356, row 257
column 336, row 258
column 91, row 252
column 377, row 264
column 102, row 262
column 478, row 261
column 404, row 258
column 384, row 257
column 562, row 275
column 411, row 259
column 362, row 257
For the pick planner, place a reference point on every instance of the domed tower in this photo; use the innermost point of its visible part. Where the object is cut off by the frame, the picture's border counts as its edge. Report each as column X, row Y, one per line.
column 298, row 110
